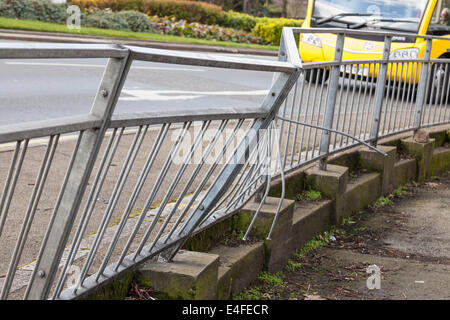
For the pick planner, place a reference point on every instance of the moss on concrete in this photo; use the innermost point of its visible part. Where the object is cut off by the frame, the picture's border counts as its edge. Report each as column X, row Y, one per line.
column 350, row 160
column 210, row 237
column 359, row 194
column 404, row 171
column 440, row 162
column 440, row 138
column 116, row 289
column 423, row 153
column 294, row 184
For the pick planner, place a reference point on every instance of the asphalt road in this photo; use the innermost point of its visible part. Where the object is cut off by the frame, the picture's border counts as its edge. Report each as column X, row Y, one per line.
column 50, row 88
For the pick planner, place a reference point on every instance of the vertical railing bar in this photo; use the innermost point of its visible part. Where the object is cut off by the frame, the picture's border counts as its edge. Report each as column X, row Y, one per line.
column 118, row 187
column 394, row 89
column 279, row 91
column 172, row 188
column 290, row 124
column 123, row 219
column 364, row 106
column 245, row 174
column 63, row 218
column 267, row 160
column 432, row 101
column 161, row 177
column 352, row 104
column 10, row 195
column 447, row 97
column 312, row 112
column 359, row 99
column 143, row 177
column 344, row 118
column 29, row 215
column 306, row 120
column 331, row 101
column 219, row 131
column 444, row 93
column 89, row 207
column 341, row 94
column 6, row 188
column 386, row 102
column 63, row 186
column 298, row 119
column 405, row 99
column 413, row 97
column 370, row 102
column 249, row 180
column 319, row 112
column 423, row 86
column 436, row 102
column 207, row 175
column 412, row 83
column 379, row 92
column 397, row 103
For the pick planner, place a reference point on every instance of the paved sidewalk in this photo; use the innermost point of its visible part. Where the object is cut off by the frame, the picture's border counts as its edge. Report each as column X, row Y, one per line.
column 409, row 241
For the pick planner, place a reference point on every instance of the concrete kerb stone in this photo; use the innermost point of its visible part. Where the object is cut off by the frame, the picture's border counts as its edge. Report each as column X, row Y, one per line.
column 374, row 161
column 309, row 220
column 238, row 267
column 191, row 276
column 359, row 194
column 440, row 162
column 277, row 249
column 423, row 153
column 332, row 182
column 404, row 171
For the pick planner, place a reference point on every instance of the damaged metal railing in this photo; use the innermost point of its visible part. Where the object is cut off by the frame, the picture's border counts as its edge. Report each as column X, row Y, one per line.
column 310, row 111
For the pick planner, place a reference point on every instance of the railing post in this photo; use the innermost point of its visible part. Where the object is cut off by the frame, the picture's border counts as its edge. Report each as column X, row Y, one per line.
column 333, row 87
column 423, row 85
column 76, row 180
column 379, row 92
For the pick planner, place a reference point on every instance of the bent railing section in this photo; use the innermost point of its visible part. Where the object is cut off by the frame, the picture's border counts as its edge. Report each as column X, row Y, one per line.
column 198, row 167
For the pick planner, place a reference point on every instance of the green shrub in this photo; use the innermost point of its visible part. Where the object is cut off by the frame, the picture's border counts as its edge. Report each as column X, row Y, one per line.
column 172, row 26
column 237, row 20
column 191, row 11
column 136, row 21
column 270, row 29
column 42, row 10
column 124, row 20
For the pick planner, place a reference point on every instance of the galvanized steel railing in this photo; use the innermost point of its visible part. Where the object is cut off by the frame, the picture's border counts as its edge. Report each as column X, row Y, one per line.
column 152, row 210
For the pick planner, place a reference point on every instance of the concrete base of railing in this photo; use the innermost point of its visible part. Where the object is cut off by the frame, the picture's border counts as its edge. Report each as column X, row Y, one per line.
column 221, row 270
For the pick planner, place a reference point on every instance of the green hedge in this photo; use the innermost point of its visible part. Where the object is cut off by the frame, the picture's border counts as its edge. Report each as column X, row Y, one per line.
column 123, row 20
column 42, row 10
column 270, row 29
column 191, row 11
column 237, row 20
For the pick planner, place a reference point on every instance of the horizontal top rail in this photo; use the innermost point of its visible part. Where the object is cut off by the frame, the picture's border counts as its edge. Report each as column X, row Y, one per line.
column 350, row 32
column 209, row 60
column 159, row 116
column 43, row 128
column 58, row 50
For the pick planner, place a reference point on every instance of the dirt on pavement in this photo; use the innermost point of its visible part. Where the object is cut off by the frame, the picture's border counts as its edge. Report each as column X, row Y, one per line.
column 407, row 238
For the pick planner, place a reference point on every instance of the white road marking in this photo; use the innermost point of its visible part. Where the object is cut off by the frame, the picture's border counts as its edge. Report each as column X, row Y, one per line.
column 79, row 65
column 167, row 95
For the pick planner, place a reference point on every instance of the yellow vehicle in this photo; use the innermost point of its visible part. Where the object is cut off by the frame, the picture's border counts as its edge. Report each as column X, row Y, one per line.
column 418, row 17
